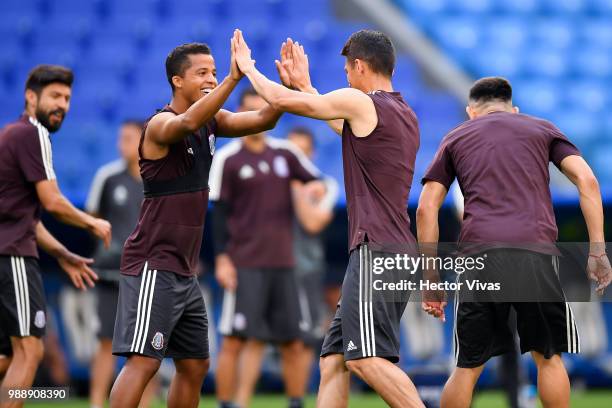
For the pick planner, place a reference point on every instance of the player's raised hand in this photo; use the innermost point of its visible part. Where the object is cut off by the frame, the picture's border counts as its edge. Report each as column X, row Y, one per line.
column 285, row 65
column 599, row 271
column 235, row 72
column 78, row 270
column 242, row 53
column 300, row 74
column 101, row 229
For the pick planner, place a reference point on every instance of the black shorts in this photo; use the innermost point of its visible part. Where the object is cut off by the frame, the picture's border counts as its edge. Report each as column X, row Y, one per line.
column 107, row 296
column 161, row 314
column 365, row 325
column 22, row 299
column 264, row 306
column 481, row 328
column 310, row 297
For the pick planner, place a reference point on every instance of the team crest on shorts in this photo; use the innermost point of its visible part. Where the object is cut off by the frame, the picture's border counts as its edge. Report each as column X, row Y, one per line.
column 39, row 319
column 158, row 341
column 211, row 143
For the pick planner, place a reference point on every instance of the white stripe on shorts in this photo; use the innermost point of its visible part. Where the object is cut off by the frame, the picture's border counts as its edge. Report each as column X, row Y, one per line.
column 139, row 310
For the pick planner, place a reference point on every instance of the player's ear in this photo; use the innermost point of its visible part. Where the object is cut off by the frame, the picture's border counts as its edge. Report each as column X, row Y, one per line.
column 31, row 98
column 177, row 81
column 470, row 112
column 515, row 109
column 359, row 66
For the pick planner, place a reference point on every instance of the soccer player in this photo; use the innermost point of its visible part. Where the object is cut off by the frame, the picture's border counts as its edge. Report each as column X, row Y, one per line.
column 251, row 186
column 27, row 183
column 501, row 159
column 314, row 210
column 116, row 195
column 380, row 139
column 161, row 310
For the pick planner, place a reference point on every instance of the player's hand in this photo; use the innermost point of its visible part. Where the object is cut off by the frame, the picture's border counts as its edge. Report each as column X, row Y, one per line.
column 300, row 74
column 242, row 53
column 235, row 72
column 101, row 229
column 315, row 190
column 78, row 270
column 435, row 308
column 599, row 271
column 285, row 65
column 225, row 272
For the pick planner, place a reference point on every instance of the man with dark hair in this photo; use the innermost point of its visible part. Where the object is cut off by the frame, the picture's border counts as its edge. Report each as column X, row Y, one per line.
column 161, row 310
column 499, row 145
column 380, row 139
column 27, row 183
column 251, row 186
column 115, row 194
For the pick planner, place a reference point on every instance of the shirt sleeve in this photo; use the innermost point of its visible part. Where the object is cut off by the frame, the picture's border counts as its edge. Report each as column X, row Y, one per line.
column 33, row 151
column 220, row 181
column 96, row 190
column 441, row 168
column 560, row 146
column 331, row 195
column 300, row 167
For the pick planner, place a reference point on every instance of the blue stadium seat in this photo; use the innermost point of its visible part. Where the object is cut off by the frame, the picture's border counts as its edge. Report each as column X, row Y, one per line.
column 598, row 32
column 545, row 62
column 590, row 95
column 537, row 97
column 593, row 62
column 555, row 33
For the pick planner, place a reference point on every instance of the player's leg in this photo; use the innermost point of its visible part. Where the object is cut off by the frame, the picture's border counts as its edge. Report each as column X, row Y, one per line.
column 188, row 346
column 388, row 380
column 553, row 382
column 251, row 358
column 243, row 317
column 335, row 382
column 227, row 369
column 22, row 302
column 6, row 351
column 293, row 375
column 149, row 307
column 459, row 388
column 132, row 380
column 150, row 393
column 187, row 382
column 103, row 364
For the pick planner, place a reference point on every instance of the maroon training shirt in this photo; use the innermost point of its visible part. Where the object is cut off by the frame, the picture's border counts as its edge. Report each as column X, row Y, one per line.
column 256, row 189
column 501, row 162
column 168, row 236
column 378, row 171
column 25, row 159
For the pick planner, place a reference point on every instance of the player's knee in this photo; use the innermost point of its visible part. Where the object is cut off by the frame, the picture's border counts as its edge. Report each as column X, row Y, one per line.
column 232, row 345
column 330, row 365
column 358, row 367
column 29, row 350
column 293, row 347
column 145, row 365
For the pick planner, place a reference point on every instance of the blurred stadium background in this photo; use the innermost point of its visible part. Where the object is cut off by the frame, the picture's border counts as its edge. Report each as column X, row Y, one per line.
column 556, row 53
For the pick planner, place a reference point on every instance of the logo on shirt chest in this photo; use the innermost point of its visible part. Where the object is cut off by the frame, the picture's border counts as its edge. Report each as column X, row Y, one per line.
column 281, row 168
column 120, row 195
column 246, row 172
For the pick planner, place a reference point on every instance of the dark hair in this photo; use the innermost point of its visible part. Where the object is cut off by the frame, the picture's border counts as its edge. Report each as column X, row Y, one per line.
column 303, row 131
column 42, row 75
column 133, row 122
column 250, row 91
column 491, row 89
column 178, row 59
column 373, row 47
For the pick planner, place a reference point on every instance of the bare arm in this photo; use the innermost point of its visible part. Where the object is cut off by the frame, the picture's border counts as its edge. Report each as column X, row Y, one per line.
column 348, row 104
column 578, row 171
column 428, row 232
column 309, row 208
column 55, row 203
column 293, row 68
column 246, row 123
column 74, row 265
column 167, row 128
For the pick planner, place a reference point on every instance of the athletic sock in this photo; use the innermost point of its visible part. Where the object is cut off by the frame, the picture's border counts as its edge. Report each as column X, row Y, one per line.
column 296, row 403
column 227, row 404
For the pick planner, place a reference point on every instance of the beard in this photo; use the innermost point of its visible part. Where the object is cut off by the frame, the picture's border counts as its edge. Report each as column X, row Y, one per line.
column 44, row 118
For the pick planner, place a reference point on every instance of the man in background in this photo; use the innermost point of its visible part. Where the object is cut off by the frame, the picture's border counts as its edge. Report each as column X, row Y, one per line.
column 115, row 194
column 253, row 231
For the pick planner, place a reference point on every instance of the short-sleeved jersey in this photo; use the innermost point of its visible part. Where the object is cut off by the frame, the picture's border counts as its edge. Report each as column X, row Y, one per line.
column 501, row 161
column 170, row 227
column 378, row 172
column 257, row 191
column 115, row 195
column 25, row 159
